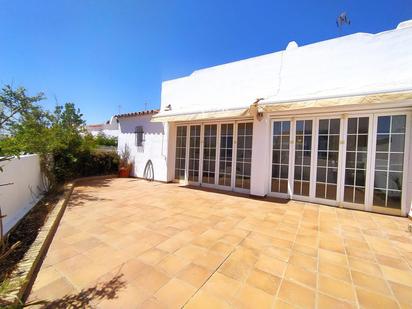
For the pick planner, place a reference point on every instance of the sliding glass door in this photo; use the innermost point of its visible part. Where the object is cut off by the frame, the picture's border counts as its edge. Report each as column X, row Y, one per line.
column 209, row 154
column 389, row 161
column 303, row 157
column 244, row 155
column 215, row 155
column 226, row 154
column 180, row 161
column 194, row 153
column 328, row 159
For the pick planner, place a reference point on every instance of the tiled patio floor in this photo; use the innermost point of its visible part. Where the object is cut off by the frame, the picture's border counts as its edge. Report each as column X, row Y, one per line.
column 127, row 243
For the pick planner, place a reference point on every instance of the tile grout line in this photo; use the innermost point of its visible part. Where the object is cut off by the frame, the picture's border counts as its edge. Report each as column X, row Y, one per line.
column 207, row 279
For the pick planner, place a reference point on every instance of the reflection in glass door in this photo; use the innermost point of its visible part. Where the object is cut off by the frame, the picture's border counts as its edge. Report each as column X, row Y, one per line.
column 280, row 156
column 180, row 162
column 390, row 144
column 356, row 160
column 328, row 157
column 244, row 155
column 303, row 156
column 209, row 154
column 225, row 158
column 194, row 153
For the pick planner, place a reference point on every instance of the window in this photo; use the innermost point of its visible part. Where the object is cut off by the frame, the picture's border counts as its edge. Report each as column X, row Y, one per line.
column 139, row 136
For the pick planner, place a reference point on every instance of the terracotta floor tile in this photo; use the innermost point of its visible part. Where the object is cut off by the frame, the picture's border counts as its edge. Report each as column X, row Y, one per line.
column 152, row 256
column 376, row 284
column 271, row 265
column 264, row 281
column 368, row 299
column 301, row 276
column 172, row 264
column 403, row 293
column 205, row 300
column 280, row 304
column 336, row 288
column 397, row 275
column 151, row 280
column 129, row 297
column 335, row 271
column 162, row 235
column 303, row 261
column 251, row 297
column 222, row 286
column 364, row 266
column 195, row 275
column 54, row 290
column 289, row 291
column 175, row 293
column 333, row 257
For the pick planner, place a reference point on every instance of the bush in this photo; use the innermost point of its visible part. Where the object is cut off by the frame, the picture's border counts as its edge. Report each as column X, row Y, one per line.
column 98, row 163
column 86, row 163
column 103, row 140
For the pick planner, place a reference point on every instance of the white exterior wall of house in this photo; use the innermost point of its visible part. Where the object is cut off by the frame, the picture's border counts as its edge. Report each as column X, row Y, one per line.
column 154, row 145
column 357, row 64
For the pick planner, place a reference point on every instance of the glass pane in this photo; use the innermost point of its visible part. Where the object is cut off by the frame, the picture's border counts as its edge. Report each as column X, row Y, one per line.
column 303, row 158
column 281, row 131
column 384, row 123
column 398, row 124
column 396, row 162
column 363, row 127
column 348, row 194
column 352, row 125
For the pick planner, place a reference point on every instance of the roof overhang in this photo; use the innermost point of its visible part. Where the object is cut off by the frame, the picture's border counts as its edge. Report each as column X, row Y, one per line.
column 236, row 113
column 329, row 102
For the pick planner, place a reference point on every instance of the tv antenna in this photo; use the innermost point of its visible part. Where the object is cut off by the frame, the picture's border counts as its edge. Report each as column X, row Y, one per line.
column 342, row 20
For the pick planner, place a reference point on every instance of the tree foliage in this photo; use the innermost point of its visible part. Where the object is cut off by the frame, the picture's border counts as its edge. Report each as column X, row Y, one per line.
column 58, row 137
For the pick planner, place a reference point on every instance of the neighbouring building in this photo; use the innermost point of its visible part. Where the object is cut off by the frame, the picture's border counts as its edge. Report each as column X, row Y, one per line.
column 328, row 123
column 110, row 128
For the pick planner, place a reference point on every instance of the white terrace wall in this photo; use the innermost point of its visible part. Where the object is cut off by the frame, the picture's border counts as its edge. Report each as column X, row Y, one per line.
column 25, row 190
column 154, row 146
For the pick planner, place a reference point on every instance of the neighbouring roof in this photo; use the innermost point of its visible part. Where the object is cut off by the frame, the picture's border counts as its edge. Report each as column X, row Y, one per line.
column 345, row 66
column 140, row 113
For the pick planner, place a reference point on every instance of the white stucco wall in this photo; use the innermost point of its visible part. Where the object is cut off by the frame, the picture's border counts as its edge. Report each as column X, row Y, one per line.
column 154, row 145
column 24, row 192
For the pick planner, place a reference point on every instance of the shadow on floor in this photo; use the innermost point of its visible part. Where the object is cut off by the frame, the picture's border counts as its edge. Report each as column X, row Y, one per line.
column 81, row 198
column 237, row 194
column 86, row 298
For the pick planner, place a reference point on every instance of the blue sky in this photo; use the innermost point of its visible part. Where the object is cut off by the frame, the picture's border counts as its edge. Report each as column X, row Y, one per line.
column 101, row 54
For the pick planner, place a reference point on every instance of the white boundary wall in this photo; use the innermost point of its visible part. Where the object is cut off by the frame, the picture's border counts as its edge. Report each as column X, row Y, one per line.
column 24, row 192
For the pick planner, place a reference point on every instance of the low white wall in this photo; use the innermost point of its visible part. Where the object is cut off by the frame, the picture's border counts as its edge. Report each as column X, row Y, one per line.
column 25, row 190
column 154, row 146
